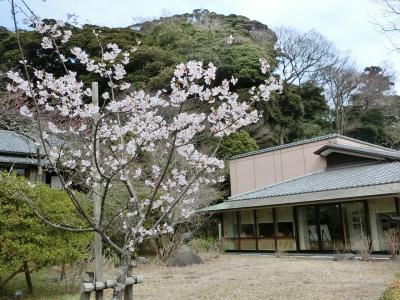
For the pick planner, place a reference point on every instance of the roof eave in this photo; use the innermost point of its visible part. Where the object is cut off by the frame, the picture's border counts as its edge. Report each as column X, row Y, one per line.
column 347, row 194
column 330, row 148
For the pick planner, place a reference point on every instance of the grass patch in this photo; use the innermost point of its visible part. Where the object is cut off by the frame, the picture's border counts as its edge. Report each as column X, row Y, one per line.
column 393, row 290
column 45, row 287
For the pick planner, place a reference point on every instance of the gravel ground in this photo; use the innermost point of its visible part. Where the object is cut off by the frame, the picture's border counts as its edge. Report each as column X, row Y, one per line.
column 267, row 277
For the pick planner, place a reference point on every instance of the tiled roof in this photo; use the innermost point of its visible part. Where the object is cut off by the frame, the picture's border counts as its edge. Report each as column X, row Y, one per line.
column 329, row 179
column 315, row 139
column 342, row 184
column 8, row 159
column 16, row 143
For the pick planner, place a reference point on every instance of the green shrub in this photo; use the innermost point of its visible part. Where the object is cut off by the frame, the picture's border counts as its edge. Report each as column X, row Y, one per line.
column 25, row 239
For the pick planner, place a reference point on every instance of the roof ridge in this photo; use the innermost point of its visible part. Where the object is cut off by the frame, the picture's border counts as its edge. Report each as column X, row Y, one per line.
column 288, row 145
column 310, row 140
column 365, row 143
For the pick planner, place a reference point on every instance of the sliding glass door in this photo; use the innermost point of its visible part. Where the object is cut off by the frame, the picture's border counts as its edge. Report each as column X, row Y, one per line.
column 308, row 228
column 355, row 225
column 330, row 226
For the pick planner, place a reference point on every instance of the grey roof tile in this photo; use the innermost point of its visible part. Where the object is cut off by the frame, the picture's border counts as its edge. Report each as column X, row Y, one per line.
column 13, row 142
column 329, row 179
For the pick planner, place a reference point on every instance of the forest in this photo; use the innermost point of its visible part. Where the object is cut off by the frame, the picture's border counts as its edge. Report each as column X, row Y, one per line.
column 324, row 91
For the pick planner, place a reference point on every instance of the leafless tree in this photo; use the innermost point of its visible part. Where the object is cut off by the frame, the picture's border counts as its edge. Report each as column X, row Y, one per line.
column 302, row 55
column 388, row 21
column 341, row 81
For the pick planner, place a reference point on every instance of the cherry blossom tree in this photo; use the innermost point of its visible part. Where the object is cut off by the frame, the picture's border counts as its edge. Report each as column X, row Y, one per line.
column 101, row 147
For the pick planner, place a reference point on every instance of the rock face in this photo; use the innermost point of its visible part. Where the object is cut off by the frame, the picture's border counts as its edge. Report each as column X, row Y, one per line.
column 185, row 258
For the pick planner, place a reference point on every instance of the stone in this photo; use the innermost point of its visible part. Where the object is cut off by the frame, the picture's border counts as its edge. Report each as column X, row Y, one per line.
column 185, row 258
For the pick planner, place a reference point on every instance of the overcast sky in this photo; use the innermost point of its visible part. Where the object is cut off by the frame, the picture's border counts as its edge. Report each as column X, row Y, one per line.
column 347, row 23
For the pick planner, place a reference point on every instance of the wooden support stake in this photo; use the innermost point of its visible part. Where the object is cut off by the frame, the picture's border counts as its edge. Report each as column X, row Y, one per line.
column 128, row 293
column 98, row 244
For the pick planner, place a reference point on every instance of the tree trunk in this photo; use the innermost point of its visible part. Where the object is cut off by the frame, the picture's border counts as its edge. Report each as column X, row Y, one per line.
column 120, row 283
column 28, row 278
column 5, row 280
column 62, row 276
column 337, row 121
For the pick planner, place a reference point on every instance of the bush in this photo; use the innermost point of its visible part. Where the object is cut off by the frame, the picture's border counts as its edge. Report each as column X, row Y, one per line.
column 27, row 243
column 203, row 246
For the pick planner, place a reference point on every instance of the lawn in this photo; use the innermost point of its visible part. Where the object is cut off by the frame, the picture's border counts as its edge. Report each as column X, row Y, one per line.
column 267, row 277
column 393, row 290
column 254, row 277
column 45, row 284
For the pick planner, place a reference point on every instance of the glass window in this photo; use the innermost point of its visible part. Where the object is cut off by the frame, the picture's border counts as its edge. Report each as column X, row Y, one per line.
column 266, row 232
column 55, row 182
column 247, row 225
column 331, row 227
column 307, row 223
column 285, row 229
column 247, row 230
column 230, row 225
column 382, row 222
column 231, row 231
column 284, row 217
column 265, row 222
column 19, row 171
column 355, row 225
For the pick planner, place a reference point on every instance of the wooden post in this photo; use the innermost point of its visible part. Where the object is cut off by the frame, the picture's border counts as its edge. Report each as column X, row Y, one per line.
column 87, row 278
column 219, row 232
column 128, row 293
column 98, row 244
column 39, row 165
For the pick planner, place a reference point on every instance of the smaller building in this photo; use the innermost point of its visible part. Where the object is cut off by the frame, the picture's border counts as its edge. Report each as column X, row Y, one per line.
column 20, row 153
column 317, row 195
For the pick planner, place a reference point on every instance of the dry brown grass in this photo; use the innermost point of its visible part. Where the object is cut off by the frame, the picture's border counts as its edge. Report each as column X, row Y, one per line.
column 267, row 277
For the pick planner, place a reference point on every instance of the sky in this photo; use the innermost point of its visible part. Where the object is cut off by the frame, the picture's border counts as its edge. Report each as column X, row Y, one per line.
column 349, row 24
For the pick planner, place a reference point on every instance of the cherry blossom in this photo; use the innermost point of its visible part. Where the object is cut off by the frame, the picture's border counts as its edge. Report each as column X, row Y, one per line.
column 146, row 142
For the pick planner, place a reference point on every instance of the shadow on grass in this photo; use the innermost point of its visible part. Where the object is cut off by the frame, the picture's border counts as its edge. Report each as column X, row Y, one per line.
column 45, row 287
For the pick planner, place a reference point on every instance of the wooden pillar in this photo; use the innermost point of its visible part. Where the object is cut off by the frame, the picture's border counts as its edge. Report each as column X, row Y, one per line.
column 88, row 277
column 256, row 228
column 296, row 228
column 98, row 243
column 275, row 228
column 39, row 165
column 316, row 212
column 238, row 228
column 342, row 225
column 366, row 216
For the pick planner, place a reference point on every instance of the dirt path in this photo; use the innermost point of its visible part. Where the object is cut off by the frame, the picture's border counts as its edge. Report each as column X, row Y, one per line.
column 267, row 277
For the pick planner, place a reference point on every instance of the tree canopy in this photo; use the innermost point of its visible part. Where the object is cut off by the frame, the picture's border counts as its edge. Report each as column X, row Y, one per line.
column 25, row 239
